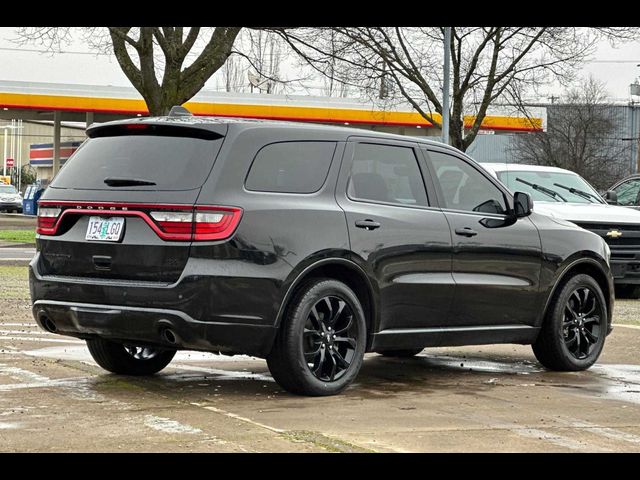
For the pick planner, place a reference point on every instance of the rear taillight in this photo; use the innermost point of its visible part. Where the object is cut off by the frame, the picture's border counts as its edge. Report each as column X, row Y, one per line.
column 205, row 223
column 215, row 223
column 47, row 218
column 180, row 223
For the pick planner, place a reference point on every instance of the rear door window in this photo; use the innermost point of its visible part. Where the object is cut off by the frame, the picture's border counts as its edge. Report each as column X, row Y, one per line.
column 291, row 167
column 386, row 174
column 465, row 188
column 169, row 162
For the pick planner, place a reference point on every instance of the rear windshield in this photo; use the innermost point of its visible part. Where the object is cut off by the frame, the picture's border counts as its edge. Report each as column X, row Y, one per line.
column 169, row 162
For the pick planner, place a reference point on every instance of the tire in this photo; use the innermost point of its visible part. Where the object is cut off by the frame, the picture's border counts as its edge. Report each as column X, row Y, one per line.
column 574, row 329
column 330, row 365
column 628, row 291
column 129, row 360
column 401, row 353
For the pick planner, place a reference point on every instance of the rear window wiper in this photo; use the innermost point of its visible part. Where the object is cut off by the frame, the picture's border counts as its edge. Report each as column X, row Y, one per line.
column 585, row 195
column 547, row 191
column 127, row 182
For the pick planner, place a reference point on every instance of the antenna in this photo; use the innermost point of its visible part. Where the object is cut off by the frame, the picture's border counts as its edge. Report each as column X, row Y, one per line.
column 178, row 111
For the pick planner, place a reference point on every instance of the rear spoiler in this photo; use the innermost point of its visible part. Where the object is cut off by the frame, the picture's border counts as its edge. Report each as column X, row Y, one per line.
column 204, row 132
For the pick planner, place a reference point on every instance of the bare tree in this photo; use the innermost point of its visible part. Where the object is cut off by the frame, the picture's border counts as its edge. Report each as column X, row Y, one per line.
column 154, row 59
column 488, row 64
column 582, row 135
column 234, row 74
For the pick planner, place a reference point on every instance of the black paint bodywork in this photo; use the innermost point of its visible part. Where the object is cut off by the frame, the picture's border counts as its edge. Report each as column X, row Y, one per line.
column 420, row 284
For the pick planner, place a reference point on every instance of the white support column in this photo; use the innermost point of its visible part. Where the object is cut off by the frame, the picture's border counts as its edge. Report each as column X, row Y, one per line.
column 89, row 119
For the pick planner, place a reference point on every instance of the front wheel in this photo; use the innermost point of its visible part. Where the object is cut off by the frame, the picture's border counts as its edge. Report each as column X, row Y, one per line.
column 320, row 346
column 574, row 329
column 129, row 359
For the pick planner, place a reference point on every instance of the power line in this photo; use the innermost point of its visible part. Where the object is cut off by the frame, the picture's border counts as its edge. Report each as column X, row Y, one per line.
column 53, row 52
column 613, row 61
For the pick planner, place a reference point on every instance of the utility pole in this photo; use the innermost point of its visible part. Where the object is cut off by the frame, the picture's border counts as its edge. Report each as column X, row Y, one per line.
column 4, row 170
column 445, row 86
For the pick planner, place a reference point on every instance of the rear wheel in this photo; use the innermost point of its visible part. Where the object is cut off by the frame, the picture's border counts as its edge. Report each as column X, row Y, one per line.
column 401, row 353
column 573, row 333
column 320, row 346
column 129, row 359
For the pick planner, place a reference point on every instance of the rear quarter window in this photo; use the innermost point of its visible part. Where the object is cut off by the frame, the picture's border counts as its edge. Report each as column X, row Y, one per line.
column 291, row 167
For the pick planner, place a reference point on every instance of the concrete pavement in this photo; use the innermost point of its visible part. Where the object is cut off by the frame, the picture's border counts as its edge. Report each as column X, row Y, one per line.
column 54, row 398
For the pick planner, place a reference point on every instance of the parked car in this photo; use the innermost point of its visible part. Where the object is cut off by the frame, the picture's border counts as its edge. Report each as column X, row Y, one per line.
column 10, row 199
column 564, row 194
column 306, row 245
column 626, row 192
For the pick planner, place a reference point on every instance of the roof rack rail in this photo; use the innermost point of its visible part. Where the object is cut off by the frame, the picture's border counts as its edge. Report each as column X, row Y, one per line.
column 179, row 111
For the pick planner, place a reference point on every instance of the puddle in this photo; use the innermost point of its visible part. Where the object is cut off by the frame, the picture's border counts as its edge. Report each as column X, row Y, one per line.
column 167, row 425
column 81, row 354
column 9, row 426
column 481, row 365
column 621, row 381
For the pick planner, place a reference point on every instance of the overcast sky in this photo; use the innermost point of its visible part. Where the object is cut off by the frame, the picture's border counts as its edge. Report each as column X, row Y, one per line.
column 617, row 67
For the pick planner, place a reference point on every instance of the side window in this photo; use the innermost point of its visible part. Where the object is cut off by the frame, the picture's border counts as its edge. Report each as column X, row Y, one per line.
column 628, row 192
column 291, row 167
column 464, row 188
column 386, row 173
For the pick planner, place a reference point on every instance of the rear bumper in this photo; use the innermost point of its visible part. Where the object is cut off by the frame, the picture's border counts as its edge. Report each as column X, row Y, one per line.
column 205, row 310
column 149, row 325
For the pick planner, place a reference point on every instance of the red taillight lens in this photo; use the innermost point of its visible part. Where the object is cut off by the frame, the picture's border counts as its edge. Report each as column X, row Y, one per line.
column 47, row 218
column 215, row 223
column 180, row 223
column 175, row 223
column 206, row 223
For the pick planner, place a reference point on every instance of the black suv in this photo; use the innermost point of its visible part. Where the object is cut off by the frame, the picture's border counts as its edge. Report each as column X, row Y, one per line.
column 306, row 245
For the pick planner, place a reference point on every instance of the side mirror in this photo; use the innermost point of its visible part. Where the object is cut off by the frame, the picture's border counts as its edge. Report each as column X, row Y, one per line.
column 611, row 197
column 522, row 204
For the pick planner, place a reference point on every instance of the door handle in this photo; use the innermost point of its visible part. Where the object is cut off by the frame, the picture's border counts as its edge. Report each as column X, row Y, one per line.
column 466, row 232
column 367, row 224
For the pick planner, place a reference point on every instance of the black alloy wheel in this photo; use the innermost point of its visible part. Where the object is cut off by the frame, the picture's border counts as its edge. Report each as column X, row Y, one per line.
column 573, row 332
column 329, row 343
column 582, row 322
column 129, row 359
column 320, row 345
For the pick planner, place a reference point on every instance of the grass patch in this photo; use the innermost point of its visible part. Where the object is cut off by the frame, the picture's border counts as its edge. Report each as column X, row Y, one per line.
column 18, row 236
column 626, row 311
column 14, row 284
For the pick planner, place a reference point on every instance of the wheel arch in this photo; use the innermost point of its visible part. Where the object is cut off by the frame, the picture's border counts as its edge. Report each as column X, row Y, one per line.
column 589, row 267
column 346, row 271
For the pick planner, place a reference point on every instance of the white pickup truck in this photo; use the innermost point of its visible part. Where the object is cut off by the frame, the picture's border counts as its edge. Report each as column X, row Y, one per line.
column 566, row 195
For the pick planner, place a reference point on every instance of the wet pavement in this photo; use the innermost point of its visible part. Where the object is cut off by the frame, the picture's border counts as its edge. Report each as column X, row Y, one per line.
column 53, row 397
column 495, row 398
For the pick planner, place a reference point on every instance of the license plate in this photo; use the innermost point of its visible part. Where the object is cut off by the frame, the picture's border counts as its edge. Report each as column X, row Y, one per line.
column 107, row 229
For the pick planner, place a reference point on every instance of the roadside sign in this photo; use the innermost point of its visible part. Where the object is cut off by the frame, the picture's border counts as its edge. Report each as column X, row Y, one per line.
column 10, row 162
